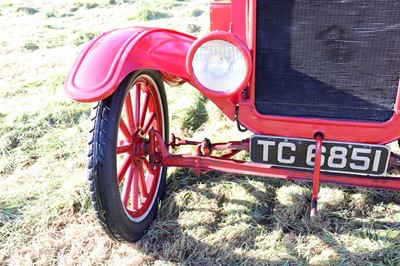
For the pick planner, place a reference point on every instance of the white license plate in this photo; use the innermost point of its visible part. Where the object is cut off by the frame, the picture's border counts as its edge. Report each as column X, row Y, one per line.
column 338, row 157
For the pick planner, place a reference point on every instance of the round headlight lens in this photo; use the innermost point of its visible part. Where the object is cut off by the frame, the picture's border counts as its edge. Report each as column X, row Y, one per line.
column 219, row 66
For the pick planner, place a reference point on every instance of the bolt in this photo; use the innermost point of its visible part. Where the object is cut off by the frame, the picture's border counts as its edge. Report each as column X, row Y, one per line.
column 245, row 94
column 157, row 157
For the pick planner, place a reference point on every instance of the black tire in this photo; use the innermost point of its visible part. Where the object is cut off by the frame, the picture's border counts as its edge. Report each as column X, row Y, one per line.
column 112, row 192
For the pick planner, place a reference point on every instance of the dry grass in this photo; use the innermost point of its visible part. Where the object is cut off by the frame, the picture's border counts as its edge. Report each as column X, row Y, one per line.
column 215, row 219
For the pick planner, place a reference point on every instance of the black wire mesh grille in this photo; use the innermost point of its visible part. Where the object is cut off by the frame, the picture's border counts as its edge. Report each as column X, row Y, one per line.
column 331, row 59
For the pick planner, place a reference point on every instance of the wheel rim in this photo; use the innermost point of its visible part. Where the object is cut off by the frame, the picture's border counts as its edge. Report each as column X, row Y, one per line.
column 138, row 181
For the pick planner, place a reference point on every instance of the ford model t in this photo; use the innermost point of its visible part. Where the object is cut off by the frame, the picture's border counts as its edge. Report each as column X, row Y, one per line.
column 315, row 81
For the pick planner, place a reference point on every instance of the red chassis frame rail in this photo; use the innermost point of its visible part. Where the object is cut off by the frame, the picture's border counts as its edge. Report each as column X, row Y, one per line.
column 202, row 162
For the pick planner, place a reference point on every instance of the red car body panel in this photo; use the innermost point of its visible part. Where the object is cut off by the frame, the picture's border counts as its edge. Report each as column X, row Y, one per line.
column 218, row 10
column 243, row 25
column 117, row 53
column 109, row 58
column 338, row 130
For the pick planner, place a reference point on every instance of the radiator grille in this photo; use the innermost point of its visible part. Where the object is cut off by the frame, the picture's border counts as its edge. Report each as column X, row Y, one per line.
column 327, row 58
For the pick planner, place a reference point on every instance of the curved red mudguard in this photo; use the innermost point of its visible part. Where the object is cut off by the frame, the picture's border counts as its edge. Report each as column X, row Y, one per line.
column 110, row 57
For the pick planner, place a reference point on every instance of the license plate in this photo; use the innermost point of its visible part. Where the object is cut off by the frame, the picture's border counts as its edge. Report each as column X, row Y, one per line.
column 338, row 157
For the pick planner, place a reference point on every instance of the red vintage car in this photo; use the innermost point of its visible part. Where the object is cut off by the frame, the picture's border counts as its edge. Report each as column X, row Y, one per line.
column 315, row 81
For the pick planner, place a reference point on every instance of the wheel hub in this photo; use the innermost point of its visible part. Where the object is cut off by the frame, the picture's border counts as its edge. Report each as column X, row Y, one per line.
column 138, row 147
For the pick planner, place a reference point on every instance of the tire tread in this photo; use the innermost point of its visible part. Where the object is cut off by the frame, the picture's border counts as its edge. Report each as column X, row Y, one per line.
column 97, row 142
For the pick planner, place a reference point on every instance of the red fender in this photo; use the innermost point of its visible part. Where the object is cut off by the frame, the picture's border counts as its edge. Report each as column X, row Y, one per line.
column 110, row 57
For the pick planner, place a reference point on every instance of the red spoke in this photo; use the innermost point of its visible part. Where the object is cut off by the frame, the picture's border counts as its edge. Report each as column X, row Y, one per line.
column 146, row 164
column 124, row 148
column 125, row 130
column 129, row 111
column 135, row 191
column 137, row 105
column 148, row 122
column 142, row 183
column 138, row 179
column 123, row 168
column 127, row 185
column 143, row 107
column 149, row 180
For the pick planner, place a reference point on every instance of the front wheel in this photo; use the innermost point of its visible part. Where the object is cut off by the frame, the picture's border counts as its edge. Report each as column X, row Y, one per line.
column 125, row 190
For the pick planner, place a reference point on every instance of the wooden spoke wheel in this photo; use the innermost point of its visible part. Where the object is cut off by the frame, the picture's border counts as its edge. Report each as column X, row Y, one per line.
column 125, row 188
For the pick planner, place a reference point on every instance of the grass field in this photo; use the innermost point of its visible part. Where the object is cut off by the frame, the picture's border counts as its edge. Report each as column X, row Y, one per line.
column 215, row 219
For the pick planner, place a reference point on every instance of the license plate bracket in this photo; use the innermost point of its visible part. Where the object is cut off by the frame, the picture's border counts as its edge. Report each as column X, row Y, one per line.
column 337, row 157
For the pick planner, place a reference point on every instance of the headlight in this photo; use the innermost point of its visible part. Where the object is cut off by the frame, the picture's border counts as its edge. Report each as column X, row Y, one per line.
column 219, row 63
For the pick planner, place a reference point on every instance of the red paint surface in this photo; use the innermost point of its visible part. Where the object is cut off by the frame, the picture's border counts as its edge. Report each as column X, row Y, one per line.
column 109, row 58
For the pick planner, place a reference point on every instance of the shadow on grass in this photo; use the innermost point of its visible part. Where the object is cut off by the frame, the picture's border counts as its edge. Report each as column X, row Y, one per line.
column 9, row 214
column 217, row 219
